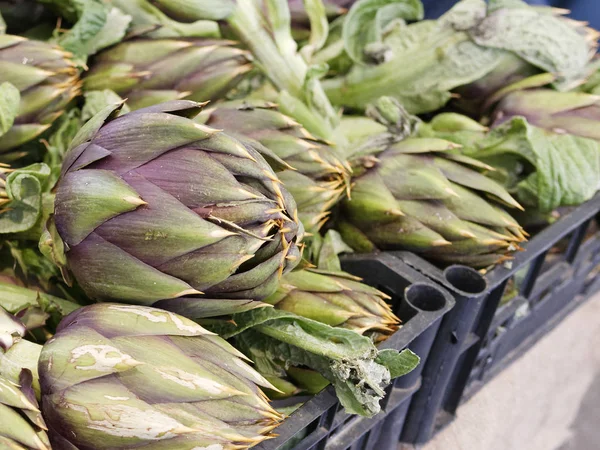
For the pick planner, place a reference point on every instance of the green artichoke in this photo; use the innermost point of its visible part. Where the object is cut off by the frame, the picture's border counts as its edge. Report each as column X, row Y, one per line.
column 337, row 299
column 417, row 195
column 123, row 376
column 47, row 79
column 575, row 113
column 420, row 194
column 320, row 176
column 151, row 71
column 21, row 423
column 153, row 206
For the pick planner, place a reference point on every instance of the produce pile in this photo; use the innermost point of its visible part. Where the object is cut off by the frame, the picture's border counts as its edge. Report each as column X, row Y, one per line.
column 179, row 178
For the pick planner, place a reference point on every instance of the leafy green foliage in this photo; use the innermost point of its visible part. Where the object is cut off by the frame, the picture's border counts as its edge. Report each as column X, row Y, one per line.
column 97, row 24
column 545, row 169
column 357, row 370
column 367, row 20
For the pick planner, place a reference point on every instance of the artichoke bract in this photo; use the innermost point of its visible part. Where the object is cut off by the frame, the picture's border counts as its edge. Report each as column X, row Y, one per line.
column 320, row 176
column 126, row 376
column 153, row 206
column 47, row 79
column 151, row 71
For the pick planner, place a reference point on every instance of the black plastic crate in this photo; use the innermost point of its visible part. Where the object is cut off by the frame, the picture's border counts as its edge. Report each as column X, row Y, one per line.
column 320, row 423
column 485, row 331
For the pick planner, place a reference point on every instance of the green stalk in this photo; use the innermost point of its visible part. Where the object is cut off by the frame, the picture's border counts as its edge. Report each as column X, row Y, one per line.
column 369, row 83
column 246, row 23
column 281, row 62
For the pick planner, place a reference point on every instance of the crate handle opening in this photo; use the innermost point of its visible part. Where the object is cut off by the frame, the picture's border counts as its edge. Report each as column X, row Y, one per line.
column 425, row 297
column 465, row 279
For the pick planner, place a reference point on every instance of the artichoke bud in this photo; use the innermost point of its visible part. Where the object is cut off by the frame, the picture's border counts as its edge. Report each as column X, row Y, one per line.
column 47, row 79
column 150, row 71
column 421, row 196
column 314, row 172
column 128, row 376
column 575, row 113
column 153, row 206
column 21, row 422
column 337, row 299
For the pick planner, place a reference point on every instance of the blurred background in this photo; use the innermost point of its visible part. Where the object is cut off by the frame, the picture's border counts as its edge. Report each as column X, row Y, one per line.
column 588, row 10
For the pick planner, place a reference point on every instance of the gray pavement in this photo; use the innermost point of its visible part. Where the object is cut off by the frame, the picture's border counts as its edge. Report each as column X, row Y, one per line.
column 549, row 399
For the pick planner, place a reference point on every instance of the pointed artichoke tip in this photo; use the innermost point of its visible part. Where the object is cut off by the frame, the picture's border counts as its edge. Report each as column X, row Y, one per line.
column 272, row 176
column 245, row 258
column 440, row 243
column 452, row 192
column 396, row 212
column 208, row 130
column 184, row 94
column 187, row 292
column 137, row 201
column 222, row 233
column 467, row 234
column 518, row 206
column 248, row 193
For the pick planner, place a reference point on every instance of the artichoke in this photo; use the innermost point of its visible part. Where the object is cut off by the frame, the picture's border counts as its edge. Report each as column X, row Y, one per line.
column 419, row 194
column 21, row 422
column 321, row 175
column 151, row 71
column 152, row 206
column 575, row 113
column 337, row 299
column 47, row 79
column 417, row 197
column 124, row 376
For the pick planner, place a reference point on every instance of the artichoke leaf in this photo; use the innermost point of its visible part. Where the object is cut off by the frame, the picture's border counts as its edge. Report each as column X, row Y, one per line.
column 566, row 167
column 367, row 19
column 9, row 106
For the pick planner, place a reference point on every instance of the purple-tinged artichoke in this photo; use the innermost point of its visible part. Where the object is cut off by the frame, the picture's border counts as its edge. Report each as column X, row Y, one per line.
column 124, row 376
column 321, row 175
column 21, row 423
column 47, row 80
column 576, row 113
column 151, row 71
column 153, row 206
